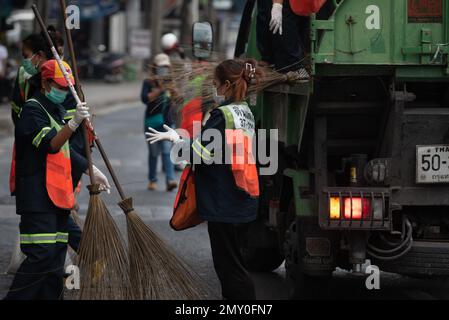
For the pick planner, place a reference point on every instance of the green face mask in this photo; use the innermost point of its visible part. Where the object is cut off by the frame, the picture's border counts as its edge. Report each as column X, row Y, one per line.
column 56, row 96
column 29, row 67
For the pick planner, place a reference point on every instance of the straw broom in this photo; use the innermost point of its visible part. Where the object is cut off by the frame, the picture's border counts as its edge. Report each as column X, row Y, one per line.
column 155, row 270
column 181, row 75
column 102, row 259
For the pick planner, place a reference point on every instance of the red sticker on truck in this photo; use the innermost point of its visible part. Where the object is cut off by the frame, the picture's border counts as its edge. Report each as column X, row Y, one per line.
column 425, row 11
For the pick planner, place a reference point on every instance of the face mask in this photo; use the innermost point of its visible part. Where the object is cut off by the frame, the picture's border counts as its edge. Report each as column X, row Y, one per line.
column 218, row 98
column 56, row 96
column 162, row 71
column 27, row 64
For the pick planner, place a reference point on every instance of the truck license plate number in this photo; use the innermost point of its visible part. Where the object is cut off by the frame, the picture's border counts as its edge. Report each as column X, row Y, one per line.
column 432, row 164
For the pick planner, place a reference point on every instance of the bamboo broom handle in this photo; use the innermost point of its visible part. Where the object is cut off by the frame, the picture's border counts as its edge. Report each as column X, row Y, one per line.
column 71, row 87
column 103, row 154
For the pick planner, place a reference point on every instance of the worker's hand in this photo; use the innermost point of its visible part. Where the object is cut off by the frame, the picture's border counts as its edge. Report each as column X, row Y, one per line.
column 81, row 114
column 100, row 178
column 155, row 136
column 276, row 18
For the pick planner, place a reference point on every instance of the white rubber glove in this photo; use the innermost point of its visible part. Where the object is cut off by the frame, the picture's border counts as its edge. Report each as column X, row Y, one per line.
column 100, row 178
column 155, row 136
column 82, row 113
column 276, row 18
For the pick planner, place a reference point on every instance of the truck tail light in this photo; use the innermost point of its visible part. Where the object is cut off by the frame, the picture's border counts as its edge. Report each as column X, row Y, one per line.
column 334, row 208
column 355, row 208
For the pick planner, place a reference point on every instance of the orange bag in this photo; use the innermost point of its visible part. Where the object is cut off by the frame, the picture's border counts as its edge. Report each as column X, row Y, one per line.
column 306, row 7
column 185, row 215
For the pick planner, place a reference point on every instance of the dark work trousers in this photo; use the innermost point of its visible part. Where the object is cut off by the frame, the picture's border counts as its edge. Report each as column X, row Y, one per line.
column 236, row 283
column 283, row 51
column 74, row 234
column 43, row 240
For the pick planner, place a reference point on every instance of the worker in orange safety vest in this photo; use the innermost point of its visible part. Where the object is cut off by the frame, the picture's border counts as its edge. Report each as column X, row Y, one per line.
column 43, row 185
column 226, row 193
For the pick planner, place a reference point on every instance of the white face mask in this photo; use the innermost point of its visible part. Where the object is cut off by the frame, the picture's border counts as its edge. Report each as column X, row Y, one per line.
column 218, row 98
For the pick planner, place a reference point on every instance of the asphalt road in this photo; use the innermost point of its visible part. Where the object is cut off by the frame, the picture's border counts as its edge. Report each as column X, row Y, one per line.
column 120, row 128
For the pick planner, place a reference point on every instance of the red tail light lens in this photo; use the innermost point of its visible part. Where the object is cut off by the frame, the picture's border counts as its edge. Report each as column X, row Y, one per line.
column 356, row 208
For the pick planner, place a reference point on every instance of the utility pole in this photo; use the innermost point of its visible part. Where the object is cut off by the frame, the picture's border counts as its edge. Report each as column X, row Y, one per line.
column 189, row 15
column 147, row 18
column 156, row 26
column 42, row 6
column 211, row 17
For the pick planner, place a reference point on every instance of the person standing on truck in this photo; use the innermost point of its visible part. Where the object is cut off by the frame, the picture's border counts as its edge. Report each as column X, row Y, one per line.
column 226, row 194
column 279, row 39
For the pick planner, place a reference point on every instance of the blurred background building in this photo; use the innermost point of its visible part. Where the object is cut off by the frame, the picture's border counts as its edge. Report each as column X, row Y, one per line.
column 130, row 29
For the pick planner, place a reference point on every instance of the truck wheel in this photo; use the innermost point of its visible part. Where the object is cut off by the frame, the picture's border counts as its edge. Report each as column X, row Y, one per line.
column 303, row 286
column 262, row 259
column 259, row 248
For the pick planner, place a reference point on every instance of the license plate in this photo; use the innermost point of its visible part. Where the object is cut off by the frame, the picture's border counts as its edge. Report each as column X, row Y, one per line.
column 432, row 164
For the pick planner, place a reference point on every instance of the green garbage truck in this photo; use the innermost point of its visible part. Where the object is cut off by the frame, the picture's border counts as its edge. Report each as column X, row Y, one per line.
column 363, row 146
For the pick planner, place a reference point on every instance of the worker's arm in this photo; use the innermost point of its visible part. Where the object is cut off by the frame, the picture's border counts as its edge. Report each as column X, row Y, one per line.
column 276, row 17
column 81, row 114
column 150, row 93
column 207, row 150
column 61, row 138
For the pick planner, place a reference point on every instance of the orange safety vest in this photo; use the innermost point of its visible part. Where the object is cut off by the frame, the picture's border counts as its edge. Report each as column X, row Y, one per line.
column 240, row 131
column 191, row 113
column 58, row 172
column 306, row 7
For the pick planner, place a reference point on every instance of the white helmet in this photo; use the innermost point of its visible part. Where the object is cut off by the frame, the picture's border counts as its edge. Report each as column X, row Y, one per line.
column 169, row 41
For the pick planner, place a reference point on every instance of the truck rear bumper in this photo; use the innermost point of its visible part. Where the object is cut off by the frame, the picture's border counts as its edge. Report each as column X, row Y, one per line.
column 424, row 259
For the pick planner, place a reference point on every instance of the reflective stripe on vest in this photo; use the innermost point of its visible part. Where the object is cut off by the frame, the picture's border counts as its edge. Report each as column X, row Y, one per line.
column 240, row 131
column 70, row 114
column 59, row 172
column 44, row 238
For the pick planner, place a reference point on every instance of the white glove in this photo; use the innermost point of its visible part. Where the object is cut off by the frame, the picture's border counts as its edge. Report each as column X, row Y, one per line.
column 100, row 178
column 276, row 18
column 156, row 136
column 82, row 113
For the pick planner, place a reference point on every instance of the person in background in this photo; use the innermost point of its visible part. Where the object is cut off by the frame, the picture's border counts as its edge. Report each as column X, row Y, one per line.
column 279, row 37
column 3, row 66
column 226, row 194
column 156, row 95
column 170, row 46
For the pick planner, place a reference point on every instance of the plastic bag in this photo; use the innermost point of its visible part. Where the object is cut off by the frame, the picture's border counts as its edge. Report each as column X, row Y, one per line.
column 306, row 7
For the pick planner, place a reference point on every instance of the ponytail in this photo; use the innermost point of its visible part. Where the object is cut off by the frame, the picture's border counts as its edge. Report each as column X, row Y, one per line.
column 242, row 74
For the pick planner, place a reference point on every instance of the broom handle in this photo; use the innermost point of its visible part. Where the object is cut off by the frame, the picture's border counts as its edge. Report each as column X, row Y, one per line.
column 71, row 87
column 78, row 89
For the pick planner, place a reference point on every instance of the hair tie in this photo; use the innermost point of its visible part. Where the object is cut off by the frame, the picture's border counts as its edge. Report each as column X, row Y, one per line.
column 251, row 70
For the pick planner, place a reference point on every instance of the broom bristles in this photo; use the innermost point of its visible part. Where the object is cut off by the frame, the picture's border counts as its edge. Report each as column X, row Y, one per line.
column 156, row 272
column 102, row 259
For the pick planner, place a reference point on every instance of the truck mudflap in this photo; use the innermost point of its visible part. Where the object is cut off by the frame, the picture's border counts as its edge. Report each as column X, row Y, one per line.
column 426, row 258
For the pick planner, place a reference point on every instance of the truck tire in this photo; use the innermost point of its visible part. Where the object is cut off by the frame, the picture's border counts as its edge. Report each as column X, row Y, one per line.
column 259, row 248
column 303, row 286
column 262, row 259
